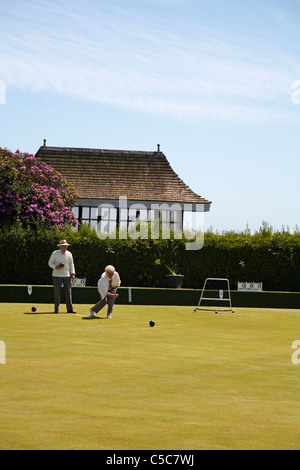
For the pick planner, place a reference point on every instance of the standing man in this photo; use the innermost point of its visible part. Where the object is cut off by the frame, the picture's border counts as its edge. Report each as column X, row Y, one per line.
column 61, row 261
column 107, row 287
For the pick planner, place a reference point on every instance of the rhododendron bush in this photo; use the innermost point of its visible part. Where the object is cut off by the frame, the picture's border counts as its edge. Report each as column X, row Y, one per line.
column 33, row 192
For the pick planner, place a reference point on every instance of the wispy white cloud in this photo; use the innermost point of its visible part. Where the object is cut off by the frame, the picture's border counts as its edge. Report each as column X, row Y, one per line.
column 107, row 53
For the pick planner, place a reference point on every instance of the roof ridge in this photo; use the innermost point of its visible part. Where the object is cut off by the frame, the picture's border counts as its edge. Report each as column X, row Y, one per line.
column 94, row 150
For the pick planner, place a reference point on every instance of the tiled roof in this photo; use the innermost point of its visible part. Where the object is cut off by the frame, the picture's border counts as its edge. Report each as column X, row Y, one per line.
column 108, row 174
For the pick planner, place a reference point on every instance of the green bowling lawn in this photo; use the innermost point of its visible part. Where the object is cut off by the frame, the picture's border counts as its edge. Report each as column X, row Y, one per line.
column 193, row 381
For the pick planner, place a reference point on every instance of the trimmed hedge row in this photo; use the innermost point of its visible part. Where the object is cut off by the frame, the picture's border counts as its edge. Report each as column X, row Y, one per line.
column 266, row 256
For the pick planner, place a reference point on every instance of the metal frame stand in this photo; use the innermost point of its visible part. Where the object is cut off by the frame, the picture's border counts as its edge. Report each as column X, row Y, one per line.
column 215, row 299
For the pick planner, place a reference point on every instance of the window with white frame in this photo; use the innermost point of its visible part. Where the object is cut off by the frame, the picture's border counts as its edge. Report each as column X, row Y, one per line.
column 86, row 215
column 108, row 217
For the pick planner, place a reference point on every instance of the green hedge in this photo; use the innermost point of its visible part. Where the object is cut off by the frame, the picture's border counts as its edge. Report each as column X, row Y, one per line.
column 266, row 256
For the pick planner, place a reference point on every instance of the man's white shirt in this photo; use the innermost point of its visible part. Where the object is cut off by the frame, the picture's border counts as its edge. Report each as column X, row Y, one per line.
column 104, row 283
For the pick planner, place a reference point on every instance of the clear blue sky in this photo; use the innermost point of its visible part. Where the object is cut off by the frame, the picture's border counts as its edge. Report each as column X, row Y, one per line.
column 211, row 81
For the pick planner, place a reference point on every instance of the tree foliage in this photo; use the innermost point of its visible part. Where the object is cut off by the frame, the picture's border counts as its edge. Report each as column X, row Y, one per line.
column 33, row 192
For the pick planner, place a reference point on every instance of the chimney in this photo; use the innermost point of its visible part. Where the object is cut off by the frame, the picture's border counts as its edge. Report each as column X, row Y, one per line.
column 45, row 142
column 158, row 147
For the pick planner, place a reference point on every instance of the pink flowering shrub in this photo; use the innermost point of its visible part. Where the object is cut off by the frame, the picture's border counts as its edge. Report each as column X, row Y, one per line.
column 34, row 192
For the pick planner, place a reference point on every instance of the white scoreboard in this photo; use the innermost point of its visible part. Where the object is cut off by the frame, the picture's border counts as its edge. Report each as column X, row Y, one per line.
column 250, row 286
column 78, row 282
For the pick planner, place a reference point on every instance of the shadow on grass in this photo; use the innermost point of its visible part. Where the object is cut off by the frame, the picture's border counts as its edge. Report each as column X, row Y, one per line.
column 47, row 313
column 40, row 313
column 84, row 317
column 94, row 318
